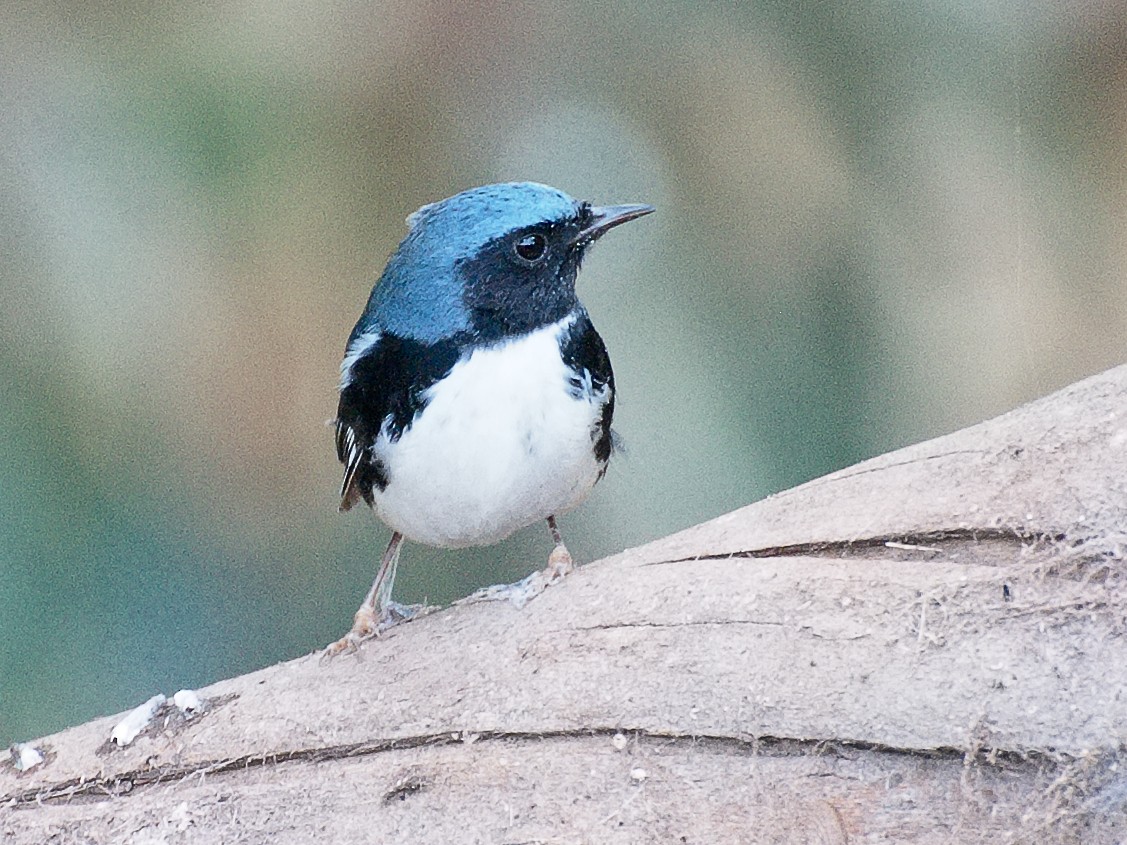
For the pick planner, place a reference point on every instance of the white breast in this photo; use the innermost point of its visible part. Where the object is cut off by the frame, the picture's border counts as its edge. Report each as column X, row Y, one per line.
column 501, row 444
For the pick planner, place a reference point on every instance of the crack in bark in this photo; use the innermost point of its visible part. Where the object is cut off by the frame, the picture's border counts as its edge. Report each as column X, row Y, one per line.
column 125, row 783
column 610, row 626
column 613, row 626
column 926, row 538
column 854, row 472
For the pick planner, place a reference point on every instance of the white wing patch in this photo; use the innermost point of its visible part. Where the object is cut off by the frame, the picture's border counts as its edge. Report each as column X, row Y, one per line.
column 355, row 352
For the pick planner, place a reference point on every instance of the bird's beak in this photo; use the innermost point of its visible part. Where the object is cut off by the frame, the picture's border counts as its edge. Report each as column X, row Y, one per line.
column 604, row 217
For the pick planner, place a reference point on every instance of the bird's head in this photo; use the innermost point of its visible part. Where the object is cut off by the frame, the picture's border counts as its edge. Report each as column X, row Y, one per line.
column 490, row 262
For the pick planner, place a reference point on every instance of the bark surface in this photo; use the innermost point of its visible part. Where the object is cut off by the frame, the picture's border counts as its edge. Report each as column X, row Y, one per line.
column 927, row 647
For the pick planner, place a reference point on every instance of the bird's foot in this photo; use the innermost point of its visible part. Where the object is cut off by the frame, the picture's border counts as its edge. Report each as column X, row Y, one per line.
column 560, row 564
column 366, row 625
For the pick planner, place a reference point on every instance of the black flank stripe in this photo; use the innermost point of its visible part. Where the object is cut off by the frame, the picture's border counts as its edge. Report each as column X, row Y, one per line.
column 388, row 383
column 583, row 351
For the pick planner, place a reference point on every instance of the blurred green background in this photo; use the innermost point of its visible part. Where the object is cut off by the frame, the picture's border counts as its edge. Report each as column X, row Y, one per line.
column 878, row 222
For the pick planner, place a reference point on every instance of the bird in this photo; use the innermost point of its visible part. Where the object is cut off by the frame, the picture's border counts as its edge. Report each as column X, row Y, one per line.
column 476, row 396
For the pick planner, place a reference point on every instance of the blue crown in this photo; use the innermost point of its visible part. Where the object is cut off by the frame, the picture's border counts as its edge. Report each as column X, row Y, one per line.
column 419, row 294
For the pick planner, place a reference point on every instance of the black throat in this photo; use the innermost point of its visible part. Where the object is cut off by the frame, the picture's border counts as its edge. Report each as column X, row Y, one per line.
column 507, row 297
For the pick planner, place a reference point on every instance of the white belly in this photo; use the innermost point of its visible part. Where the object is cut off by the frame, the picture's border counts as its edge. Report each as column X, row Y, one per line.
column 501, row 444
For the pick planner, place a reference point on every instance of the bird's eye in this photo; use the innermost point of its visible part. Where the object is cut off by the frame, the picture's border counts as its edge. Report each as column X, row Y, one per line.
column 531, row 247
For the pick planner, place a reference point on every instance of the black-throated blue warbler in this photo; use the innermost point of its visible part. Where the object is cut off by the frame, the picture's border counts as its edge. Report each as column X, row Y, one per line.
column 476, row 396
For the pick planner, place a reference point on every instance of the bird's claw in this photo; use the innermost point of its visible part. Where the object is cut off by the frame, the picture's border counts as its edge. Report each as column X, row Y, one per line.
column 560, row 564
column 366, row 625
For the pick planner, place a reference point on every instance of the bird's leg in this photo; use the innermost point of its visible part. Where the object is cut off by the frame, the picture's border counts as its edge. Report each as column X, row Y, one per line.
column 379, row 596
column 378, row 612
column 560, row 564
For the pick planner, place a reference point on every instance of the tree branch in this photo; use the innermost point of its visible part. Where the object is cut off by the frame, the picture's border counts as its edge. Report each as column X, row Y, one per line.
column 927, row 647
